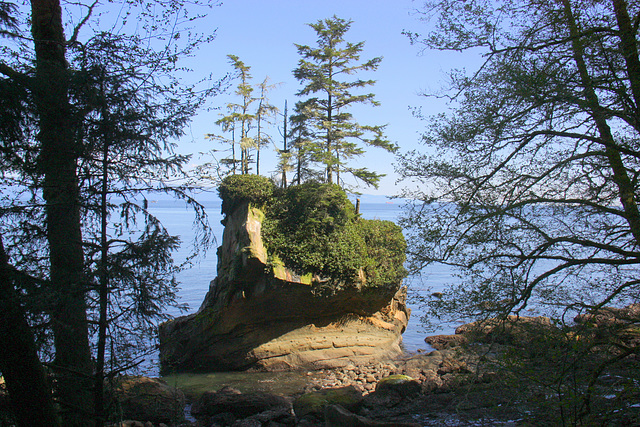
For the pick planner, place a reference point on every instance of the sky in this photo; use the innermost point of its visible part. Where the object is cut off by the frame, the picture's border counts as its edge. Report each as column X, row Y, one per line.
column 262, row 34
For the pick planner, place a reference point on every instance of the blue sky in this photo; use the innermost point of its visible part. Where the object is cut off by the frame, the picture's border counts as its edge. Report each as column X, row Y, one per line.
column 262, row 34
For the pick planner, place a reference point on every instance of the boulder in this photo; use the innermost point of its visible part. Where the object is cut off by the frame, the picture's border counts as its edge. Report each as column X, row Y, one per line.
column 392, row 391
column 510, row 325
column 441, row 342
column 148, row 399
column 228, row 400
column 312, row 405
column 612, row 324
column 609, row 316
column 262, row 315
column 512, row 330
column 337, row 416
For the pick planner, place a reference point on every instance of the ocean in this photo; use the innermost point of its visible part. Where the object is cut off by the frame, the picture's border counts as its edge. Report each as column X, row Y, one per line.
column 194, row 281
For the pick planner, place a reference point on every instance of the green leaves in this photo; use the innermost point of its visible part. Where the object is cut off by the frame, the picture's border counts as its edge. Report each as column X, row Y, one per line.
column 236, row 189
column 324, row 70
column 313, row 228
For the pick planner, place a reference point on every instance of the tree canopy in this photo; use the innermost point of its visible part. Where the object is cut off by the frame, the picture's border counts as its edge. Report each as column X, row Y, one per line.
column 89, row 130
column 314, row 229
column 323, row 71
column 530, row 185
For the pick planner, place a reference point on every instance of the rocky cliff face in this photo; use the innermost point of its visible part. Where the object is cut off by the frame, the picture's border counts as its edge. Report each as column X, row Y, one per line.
column 261, row 316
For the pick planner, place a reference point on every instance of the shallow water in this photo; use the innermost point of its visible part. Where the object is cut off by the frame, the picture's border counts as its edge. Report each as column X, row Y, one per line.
column 283, row 383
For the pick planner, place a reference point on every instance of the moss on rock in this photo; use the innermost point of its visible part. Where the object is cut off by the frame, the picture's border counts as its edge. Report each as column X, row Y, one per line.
column 237, row 189
column 399, row 385
column 314, row 403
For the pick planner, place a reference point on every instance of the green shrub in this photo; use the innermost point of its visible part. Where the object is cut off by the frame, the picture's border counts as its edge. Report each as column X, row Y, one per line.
column 237, row 189
column 319, row 208
column 385, row 252
column 313, row 228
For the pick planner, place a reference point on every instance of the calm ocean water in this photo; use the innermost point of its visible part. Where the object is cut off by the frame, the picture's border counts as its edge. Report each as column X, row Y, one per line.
column 195, row 280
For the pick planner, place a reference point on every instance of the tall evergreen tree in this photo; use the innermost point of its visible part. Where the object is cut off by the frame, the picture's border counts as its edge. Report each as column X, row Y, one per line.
column 264, row 112
column 301, row 144
column 57, row 162
column 284, row 155
column 60, row 142
column 239, row 118
column 128, row 114
column 323, row 70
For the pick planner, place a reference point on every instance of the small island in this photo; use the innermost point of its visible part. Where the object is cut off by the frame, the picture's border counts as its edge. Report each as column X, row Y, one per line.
column 302, row 282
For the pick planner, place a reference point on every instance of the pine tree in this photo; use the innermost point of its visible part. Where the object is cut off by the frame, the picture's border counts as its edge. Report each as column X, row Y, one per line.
column 301, row 144
column 322, row 70
column 128, row 114
column 238, row 119
column 284, row 155
column 263, row 113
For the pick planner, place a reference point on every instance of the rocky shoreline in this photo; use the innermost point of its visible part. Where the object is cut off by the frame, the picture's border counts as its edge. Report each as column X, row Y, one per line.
column 462, row 383
column 384, row 393
column 465, row 382
column 433, row 370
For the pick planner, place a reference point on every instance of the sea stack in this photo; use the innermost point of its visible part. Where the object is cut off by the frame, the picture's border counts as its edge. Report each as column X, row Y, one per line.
column 302, row 282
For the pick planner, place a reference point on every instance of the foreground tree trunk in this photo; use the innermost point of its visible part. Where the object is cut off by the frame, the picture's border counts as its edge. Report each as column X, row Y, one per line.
column 25, row 378
column 57, row 163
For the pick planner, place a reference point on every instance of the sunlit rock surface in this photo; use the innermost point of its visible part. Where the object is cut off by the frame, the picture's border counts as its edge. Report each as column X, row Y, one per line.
column 257, row 316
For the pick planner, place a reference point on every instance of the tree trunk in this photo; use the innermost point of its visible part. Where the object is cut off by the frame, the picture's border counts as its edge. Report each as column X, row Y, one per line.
column 233, row 148
column 57, row 163
column 612, row 152
column 329, row 142
column 259, row 136
column 284, row 148
column 98, row 391
column 630, row 50
column 25, row 378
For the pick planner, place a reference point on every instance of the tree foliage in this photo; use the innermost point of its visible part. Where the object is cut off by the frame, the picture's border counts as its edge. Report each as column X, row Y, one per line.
column 530, row 185
column 264, row 113
column 313, row 228
column 301, row 135
column 237, row 189
column 242, row 116
column 89, row 125
column 324, row 71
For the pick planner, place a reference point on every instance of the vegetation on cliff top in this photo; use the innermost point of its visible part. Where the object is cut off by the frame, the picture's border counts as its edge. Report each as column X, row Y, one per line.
column 237, row 189
column 314, row 228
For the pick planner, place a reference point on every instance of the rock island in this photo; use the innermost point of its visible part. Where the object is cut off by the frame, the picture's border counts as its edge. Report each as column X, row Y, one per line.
column 302, row 282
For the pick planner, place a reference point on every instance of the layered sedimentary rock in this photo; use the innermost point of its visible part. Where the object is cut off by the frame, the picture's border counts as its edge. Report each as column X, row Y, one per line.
column 258, row 315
